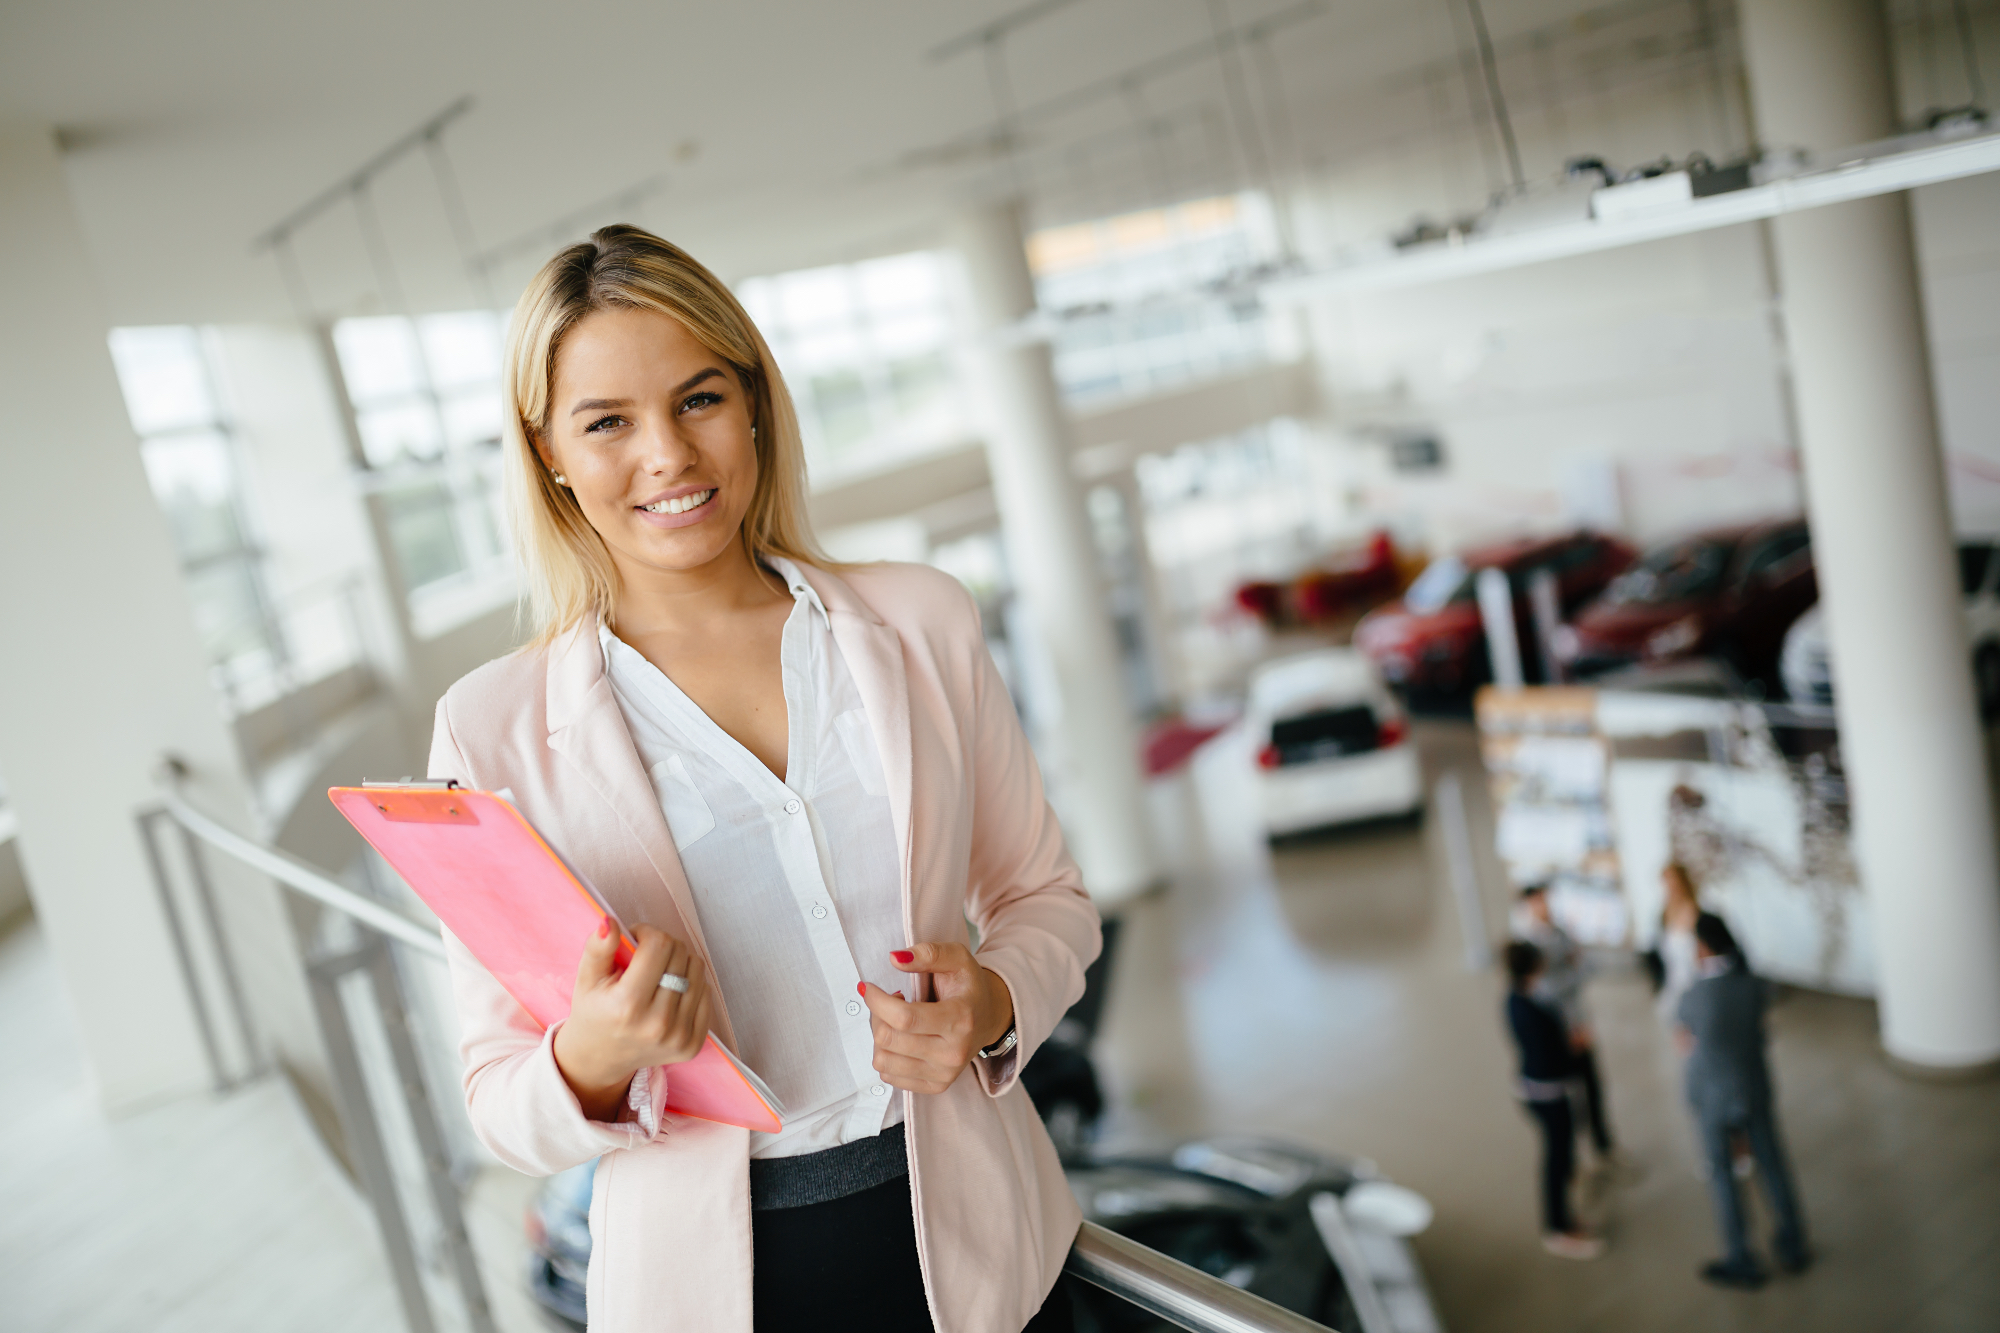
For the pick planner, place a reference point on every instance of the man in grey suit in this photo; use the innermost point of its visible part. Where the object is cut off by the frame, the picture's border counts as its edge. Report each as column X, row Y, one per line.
column 1729, row 1087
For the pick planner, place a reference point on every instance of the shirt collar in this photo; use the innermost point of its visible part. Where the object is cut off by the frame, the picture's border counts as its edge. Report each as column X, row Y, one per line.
column 795, row 584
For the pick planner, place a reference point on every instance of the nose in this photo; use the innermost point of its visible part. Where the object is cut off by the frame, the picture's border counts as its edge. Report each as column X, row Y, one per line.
column 666, row 452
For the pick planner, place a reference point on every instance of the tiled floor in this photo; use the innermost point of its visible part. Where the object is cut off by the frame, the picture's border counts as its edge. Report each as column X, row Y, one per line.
column 205, row 1215
column 1320, row 993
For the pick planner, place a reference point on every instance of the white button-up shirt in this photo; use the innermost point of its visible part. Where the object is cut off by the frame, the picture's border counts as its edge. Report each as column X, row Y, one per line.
column 797, row 881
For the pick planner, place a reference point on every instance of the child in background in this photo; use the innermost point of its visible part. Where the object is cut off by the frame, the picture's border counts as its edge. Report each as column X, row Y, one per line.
column 1547, row 1065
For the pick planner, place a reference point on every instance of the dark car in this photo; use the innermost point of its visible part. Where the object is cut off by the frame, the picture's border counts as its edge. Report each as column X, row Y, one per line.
column 1728, row 593
column 1302, row 1229
column 1432, row 640
column 558, row 1226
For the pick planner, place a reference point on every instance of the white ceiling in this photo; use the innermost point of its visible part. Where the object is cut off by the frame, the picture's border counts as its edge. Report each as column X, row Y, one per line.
column 781, row 134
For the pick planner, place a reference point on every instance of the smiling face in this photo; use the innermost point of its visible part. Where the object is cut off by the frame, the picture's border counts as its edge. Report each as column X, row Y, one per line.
column 653, row 432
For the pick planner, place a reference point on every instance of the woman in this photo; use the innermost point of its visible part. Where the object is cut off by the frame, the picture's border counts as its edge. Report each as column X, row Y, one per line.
column 798, row 785
column 1678, row 967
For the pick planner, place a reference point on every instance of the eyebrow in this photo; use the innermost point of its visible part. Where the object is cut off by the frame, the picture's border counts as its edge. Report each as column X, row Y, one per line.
column 593, row 404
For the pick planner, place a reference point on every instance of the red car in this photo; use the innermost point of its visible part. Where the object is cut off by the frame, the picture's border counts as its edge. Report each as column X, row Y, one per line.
column 1432, row 639
column 1728, row 592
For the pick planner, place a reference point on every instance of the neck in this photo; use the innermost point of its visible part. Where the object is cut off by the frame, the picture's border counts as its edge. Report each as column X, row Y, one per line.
column 651, row 599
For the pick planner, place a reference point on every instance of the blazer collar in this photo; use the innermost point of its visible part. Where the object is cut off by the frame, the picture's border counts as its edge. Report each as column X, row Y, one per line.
column 873, row 652
column 587, row 729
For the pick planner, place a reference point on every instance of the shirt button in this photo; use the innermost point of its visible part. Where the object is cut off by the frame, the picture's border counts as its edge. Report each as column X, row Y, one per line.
column 879, row 1090
column 853, row 1007
column 819, row 912
column 791, row 807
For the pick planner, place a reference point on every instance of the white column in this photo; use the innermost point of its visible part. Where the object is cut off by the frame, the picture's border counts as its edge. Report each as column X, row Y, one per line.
column 101, row 672
column 1089, row 743
column 1882, row 540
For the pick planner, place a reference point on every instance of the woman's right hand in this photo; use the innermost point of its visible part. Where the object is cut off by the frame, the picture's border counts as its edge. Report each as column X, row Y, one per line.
column 620, row 1023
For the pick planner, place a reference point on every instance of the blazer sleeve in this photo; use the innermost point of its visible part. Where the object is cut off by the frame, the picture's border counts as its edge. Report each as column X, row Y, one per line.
column 520, row 1105
column 1038, row 929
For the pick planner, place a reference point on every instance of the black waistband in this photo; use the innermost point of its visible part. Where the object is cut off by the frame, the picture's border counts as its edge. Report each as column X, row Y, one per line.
column 832, row 1173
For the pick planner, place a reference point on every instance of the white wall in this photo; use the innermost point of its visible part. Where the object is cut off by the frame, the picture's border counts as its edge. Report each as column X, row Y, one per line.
column 101, row 672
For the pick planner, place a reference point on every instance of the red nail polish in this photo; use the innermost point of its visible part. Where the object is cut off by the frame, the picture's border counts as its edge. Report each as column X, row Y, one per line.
column 604, row 928
column 862, row 990
column 903, row 957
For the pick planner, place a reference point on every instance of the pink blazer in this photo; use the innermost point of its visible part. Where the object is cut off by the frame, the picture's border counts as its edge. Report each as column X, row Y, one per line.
column 670, row 1215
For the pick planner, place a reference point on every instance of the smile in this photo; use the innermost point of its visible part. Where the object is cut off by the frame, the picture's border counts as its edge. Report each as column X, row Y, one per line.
column 682, row 503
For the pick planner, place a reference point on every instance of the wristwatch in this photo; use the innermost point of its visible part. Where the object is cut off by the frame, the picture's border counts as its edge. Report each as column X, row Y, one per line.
column 1002, row 1046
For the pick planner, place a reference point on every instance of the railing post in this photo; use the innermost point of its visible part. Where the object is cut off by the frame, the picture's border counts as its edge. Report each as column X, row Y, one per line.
column 430, row 1135
column 365, row 1147
column 225, row 961
column 169, row 909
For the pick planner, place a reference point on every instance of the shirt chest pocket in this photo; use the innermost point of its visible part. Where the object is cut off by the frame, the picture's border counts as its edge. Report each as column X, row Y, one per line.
column 688, row 815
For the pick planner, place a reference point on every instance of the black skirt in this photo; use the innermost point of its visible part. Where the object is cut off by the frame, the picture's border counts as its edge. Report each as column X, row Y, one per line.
column 851, row 1263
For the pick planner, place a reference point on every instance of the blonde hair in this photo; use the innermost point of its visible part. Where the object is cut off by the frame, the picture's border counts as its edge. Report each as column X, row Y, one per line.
column 569, row 569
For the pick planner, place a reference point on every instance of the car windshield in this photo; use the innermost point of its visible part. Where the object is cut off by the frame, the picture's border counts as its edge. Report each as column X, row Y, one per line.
column 1442, row 583
column 1672, row 574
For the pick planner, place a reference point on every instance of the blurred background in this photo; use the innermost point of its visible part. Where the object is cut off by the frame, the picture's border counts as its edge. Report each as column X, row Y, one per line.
column 1402, row 451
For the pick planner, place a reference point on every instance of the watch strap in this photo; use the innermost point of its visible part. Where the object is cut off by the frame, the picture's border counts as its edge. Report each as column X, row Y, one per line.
column 1007, row 1042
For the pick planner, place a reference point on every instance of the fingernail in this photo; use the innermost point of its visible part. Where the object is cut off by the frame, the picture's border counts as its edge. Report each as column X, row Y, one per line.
column 903, row 955
column 862, row 990
column 604, row 928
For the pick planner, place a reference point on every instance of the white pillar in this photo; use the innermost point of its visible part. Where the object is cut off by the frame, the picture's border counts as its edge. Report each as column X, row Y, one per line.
column 1090, row 743
column 101, row 672
column 1882, row 540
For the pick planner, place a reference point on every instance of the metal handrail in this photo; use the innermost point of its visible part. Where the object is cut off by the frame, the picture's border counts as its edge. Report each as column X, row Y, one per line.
column 1157, row 1283
column 371, row 961
column 297, row 875
column 1176, row 1292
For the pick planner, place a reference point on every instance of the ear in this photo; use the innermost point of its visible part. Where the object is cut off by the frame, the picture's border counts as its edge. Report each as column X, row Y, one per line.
column 540, row 445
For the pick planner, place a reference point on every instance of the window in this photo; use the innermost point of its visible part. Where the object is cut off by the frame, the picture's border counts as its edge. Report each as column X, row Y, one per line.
column 425, row 401
column 1140, row 288
column 189, row 451
column 866, row 351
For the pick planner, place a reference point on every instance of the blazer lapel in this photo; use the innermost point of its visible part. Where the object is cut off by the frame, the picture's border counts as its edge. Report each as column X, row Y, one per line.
column 588, row 731
column 874, row 656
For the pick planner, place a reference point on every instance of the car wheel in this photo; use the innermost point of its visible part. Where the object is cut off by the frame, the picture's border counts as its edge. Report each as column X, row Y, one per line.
column 1986, row 678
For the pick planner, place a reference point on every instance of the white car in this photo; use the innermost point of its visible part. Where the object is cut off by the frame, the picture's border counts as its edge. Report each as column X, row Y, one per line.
column 1332, row 744
column 1807, row 664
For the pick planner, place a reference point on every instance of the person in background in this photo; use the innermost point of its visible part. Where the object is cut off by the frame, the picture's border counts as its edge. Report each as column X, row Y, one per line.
column 1676, row 947
column 1565, row 970
column 1729, row 1089
column 1547, row 1062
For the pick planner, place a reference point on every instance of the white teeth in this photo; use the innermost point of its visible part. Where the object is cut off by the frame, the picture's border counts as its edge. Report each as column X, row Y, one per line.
column 680, row 505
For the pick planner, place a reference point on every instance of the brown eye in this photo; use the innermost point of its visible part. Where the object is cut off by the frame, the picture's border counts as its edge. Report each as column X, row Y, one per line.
column 698, row 401
column 603, row 423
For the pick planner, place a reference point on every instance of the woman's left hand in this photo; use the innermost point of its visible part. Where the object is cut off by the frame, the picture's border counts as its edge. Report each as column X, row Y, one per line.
column 924, row 1047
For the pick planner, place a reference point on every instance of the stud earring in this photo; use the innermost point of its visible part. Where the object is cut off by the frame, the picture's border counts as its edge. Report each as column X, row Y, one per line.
column 753, row 432
column 561, row 480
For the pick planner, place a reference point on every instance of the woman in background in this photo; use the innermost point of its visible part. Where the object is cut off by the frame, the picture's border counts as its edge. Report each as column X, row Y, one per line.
column 1679, row 968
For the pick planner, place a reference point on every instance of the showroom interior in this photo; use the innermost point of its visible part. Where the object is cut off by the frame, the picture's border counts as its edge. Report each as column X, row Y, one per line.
column 1402, row 452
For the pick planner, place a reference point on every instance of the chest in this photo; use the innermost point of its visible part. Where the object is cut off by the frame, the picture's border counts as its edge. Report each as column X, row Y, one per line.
column 734, row 673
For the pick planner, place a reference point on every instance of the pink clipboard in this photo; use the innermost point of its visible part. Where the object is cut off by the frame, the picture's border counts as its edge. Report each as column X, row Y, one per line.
column 526, row 916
